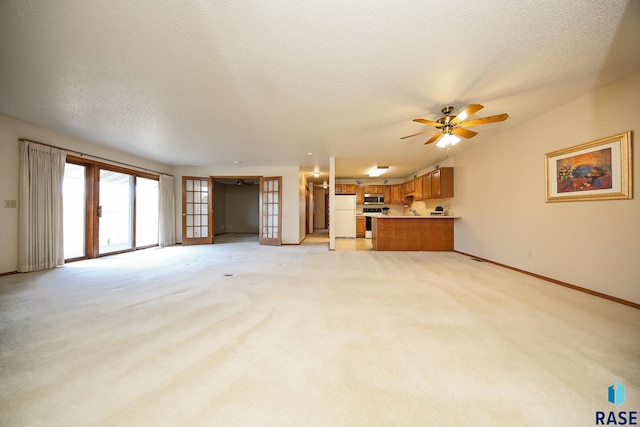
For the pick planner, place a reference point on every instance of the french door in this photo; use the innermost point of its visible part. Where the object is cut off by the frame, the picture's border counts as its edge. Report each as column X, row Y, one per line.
column 271, row 211
column 197, row 218
column 197, row 210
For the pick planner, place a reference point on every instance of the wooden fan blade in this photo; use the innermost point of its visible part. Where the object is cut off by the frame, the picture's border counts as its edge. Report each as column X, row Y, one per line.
column 419, row 133
column 465, row 133
column 427, row 122
column 469, row 111
column 485, row 120
column 434, row 137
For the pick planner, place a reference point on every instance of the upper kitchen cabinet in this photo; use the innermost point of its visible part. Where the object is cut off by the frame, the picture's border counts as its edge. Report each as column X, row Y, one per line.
column 417, row 184
column 360, row 194
column 386, row 192
column 397, row 194
column 373, row 189
column 442, row 183
column 409, row 187
column 426, row 186
column 345, row 189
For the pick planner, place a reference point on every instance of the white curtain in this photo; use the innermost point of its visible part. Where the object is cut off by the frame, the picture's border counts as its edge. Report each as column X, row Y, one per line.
column 167, row 214
column 40, row 243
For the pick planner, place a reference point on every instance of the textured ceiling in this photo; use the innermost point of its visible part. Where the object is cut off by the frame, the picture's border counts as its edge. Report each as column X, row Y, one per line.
column 266, row 82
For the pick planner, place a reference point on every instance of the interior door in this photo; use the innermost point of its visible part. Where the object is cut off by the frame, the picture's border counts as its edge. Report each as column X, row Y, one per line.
column 196, row 211
column 271, row 211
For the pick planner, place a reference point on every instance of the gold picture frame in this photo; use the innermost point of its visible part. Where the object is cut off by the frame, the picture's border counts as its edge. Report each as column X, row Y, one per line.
column 597, row 170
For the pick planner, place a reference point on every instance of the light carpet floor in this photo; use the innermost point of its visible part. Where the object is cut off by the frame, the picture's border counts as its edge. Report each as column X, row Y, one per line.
column 247, row 335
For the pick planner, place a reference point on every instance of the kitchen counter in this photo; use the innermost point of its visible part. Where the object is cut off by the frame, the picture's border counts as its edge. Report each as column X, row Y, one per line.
column 419, row 217
column 412, row 233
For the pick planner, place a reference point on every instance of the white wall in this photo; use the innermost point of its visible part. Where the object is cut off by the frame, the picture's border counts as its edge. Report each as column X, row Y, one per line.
column 500, row 194
column 10, row 130
column 291, row 220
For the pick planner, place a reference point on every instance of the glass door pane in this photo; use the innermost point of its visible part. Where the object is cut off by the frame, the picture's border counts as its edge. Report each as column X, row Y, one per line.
column 147, row 206
column 270, row 211
column 197, row 208
column 195, row 211
column 73, row 207
column 116, row 218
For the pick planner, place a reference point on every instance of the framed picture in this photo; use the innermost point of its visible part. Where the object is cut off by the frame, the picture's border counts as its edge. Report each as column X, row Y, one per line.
column 598, row 170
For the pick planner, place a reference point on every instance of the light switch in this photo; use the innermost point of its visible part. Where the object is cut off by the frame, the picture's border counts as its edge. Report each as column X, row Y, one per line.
column 9, row 203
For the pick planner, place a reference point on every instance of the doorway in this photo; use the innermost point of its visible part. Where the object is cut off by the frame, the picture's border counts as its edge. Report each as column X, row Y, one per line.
column 240, row 205
column 236, row 208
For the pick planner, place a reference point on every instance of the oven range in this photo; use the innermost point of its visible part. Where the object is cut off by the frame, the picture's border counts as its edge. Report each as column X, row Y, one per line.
column 368, row 213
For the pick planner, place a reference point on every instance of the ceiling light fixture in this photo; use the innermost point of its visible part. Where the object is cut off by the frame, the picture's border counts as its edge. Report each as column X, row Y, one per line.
column 448, row 139
column 316, row 174
column 378, row 170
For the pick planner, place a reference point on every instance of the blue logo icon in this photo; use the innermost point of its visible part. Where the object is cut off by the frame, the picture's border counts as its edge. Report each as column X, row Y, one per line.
column 616, row 394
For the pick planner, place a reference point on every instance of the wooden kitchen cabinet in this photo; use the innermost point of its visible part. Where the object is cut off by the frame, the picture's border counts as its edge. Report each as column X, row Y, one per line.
column 386, row 192
column 426, row 186
column 442, row 183
column 409, row 187
column 412, row 233
column 360, row 194
column 373, row 189
column 345, row 189
column 361, row 225
column 417, row 184
column 397, row 194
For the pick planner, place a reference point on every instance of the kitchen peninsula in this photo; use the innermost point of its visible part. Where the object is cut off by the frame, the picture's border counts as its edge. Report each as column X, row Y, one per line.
column 412, row 233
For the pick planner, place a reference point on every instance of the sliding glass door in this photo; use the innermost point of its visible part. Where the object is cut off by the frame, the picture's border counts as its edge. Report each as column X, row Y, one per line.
column 115, row 212
column 147, row 207
column 108, row 209
column 74, row 210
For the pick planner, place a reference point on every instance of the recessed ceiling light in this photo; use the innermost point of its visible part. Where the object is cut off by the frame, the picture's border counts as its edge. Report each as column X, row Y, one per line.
column 309, row 153
column 237, row 162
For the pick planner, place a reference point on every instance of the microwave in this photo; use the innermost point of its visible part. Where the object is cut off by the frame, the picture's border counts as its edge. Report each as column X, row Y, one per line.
column 373, row 199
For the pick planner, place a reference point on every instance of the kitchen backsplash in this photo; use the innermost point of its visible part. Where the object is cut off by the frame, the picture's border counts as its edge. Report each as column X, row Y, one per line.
column 425, row 207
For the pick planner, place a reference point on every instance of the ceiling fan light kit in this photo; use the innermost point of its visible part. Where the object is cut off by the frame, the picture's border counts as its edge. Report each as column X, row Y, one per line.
column 448, row 139
column 449, row 127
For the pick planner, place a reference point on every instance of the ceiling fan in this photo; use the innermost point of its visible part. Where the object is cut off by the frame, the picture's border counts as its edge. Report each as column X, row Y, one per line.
column 240, row 181
column 450, row 126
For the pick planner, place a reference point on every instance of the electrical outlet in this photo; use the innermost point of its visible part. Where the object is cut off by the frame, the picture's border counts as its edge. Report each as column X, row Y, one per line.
column 530, row 254
column 9, row 203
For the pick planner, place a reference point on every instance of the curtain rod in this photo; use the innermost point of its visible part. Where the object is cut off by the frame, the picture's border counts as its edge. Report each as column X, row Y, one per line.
column 80, row 153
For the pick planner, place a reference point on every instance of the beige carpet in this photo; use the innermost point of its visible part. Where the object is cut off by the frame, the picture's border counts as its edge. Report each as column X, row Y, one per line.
column 235, row 334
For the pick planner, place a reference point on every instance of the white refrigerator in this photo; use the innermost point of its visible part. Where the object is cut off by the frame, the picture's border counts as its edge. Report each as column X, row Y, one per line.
column 345, row 216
